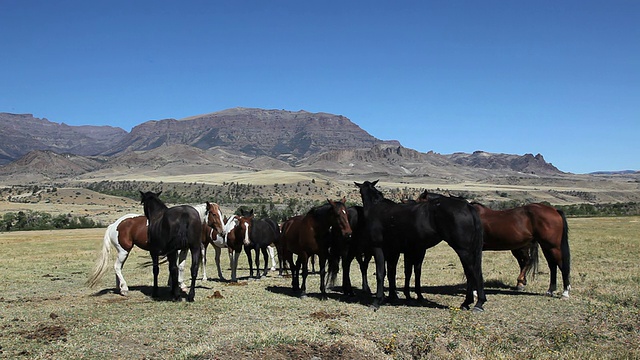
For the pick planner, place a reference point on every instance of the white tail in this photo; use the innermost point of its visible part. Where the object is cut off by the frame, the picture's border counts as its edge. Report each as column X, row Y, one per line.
column 110, row 236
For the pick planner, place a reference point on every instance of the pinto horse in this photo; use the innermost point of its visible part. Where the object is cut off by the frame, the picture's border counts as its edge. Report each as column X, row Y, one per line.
column 411, row 229
column 213, row 232
column 525, row 227
column 171, row 230
column 310, row 234
column 123, row 234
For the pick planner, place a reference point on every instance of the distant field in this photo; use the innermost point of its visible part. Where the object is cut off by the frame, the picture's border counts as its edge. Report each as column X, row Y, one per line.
column 47, row 312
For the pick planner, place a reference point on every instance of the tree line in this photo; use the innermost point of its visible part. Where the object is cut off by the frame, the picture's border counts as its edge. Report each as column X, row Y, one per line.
column 39, row 220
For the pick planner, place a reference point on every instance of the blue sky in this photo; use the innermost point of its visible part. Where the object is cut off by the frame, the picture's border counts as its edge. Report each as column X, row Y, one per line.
column 560, row 78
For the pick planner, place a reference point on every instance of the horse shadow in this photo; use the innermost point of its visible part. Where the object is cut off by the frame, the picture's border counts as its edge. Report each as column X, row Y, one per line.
column 491, row 287
column 164, row 292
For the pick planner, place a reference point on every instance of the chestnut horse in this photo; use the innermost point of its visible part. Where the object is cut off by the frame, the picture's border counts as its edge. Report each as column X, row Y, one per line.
column 521, row 228
column 312, row 234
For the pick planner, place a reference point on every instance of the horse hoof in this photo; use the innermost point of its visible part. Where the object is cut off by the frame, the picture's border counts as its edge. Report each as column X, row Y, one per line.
column 520, row 287
column 477, row 309
column 549, row 293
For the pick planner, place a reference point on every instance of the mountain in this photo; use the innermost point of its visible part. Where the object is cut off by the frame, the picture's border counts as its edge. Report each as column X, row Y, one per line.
column 23, row 133
column 236, row 139
column 279, row 134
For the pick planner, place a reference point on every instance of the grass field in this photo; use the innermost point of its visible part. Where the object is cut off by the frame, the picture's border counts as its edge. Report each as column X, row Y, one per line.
column 46, row 311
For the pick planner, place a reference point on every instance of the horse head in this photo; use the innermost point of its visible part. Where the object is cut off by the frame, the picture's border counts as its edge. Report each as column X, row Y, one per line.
column 341, row 216
column 151, row 202
column 370, row 195
column 214, row 217
column 244, row 224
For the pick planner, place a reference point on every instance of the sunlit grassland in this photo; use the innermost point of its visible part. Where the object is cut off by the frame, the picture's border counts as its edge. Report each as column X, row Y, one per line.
column 46, row 311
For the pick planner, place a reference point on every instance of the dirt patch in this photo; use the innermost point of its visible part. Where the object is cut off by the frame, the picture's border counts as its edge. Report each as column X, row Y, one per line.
column 46, row 333
column 323, row 315
column 298, row 350
column 237, row 283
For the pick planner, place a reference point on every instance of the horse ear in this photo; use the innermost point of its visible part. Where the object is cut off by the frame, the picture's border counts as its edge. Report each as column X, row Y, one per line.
column 344, row 200
column 375, row 182
column 251, row 213
column 358, row 184
column 159, row 192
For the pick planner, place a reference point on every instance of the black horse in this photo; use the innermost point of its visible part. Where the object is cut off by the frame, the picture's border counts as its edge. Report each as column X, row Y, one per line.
column 262, row 233
column 355, row 247
column 171, row 230
column 393, row 228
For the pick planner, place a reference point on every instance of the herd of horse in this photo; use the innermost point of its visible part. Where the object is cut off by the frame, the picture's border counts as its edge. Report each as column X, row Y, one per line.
column 380, row 229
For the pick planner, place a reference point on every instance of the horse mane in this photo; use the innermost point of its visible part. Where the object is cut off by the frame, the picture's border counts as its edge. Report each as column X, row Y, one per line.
column 319, row 210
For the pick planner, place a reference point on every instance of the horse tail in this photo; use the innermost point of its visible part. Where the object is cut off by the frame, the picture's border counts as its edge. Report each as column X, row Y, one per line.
column 533, row 260
column 333, row 265
column 564, row 244
column 182, row 235
column 103, row 259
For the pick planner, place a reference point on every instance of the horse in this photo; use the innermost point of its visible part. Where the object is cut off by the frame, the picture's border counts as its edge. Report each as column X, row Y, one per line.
column 310, row 234
column 172, row 229
column 262, row 233
column 237, row 239
column 526, row 256
column 355, row 248
column 393, row 228
column 213, row 232
column 123, row 234
column 524, row 227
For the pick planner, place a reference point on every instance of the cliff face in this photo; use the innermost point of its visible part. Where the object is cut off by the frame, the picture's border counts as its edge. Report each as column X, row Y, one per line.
column 255, row 132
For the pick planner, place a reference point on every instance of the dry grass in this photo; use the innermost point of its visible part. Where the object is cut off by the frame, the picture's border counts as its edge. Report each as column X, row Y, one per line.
column 47, row 312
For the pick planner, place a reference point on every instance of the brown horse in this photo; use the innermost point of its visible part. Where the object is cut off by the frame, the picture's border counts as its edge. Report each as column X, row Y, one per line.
column 123, row 234
column 311, row 234
column 212, row 233
column 520, row 228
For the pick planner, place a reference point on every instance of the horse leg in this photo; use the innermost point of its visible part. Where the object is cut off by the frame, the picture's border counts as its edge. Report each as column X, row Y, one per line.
column 304, row 261
column 234, row 266
column 195, row 263
column 182, row 261
column 156, row 270
column 323, row 274
column 408, row 266
column 173, row 271
column 218, row 251
column 203, row 260
column 347, row 289
column 378, row 255
column 121, row 284
column 363, row 261
column 417, row 268
column 472, row 267
column 250, row 259
column 524, row 261
column 392, row 264
column 553, row 270
column 295, row 273
column 266, row 262
column 272, row 256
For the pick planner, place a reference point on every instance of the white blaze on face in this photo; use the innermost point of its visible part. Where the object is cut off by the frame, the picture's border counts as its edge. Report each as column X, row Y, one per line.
column 246, row 234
